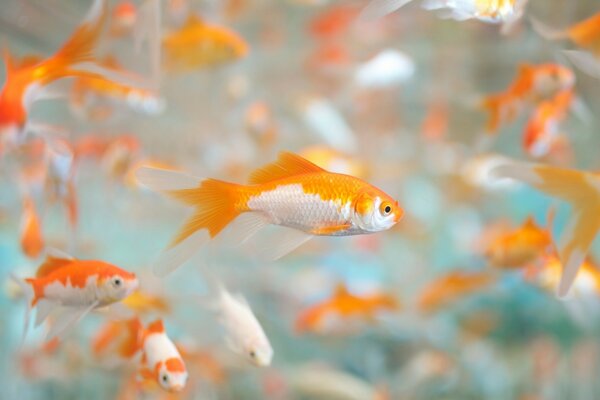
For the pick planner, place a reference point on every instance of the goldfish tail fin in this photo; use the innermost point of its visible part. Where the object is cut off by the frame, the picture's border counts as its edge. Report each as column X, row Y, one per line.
column 380, row 8
column 582, row 191
column 546, row 31
column 215, row 209
column 585, row 61
column 29, row 293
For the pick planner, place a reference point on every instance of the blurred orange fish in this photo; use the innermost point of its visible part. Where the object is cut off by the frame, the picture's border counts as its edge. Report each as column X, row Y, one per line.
column 585, row 34
column 118, row 340
column 198, row 44
column 520, row 247
column 124, row 17
column 334, row 21
column 451, row 287
column 548, row 274
column 579, row 188
column 345, row 305
column 534, row 83
column 435, row 124
column 32, row 240
column 26, row 79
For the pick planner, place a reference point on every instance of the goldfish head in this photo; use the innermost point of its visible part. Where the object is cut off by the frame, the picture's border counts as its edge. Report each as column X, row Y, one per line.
column 375, row 211
column 258, row 352
column 120, row 285
column 172, row 375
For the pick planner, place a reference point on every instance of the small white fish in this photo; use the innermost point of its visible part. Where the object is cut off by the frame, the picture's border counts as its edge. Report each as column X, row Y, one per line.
column 388, row 68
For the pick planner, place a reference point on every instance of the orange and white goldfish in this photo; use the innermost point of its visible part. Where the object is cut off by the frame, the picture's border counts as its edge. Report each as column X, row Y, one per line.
column 490, row 11
column 519, row 247
column 118, row 341
column 580, row 189
column 32, row 239
column 451, row 287
column 291, row 192
column 124, row 17
column 26, row 79
column 345, row 305
column 533, row 84
column 80, row 285
column 244, row 334
column 548, row 273
column 161, row 361
column 198, row 44
column 542, row 131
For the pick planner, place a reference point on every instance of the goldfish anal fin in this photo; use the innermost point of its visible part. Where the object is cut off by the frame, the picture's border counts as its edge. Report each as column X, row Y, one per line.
column 50, row 265
column 288, row 164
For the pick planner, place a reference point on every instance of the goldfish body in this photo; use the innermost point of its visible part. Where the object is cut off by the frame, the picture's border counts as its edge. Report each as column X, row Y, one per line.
column 199, row 45
column 118, row 340
column 344, row 304
column 582, row 191
column 161, row 359
column 520, row 247
column 81, row 285
column 25, row 79
column 292, row 192
column 451, row 287
column 32, row 241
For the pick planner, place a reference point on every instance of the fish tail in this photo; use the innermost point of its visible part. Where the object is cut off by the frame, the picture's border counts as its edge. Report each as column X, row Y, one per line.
column 546, row 31
column 28, row 288
column 582, row 191
column 217, row 204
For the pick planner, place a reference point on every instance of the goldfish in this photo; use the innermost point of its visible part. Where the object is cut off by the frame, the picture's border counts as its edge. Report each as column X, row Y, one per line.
column 451, row 287
column 345, row 305
column 118, row 340
column 548, row 272
column 32, row 239
column 533, row 84
column 334, row 22
column 520, row 247
column 244, row 334
column 26, row 79
column 87, row 88
column 542, row 130
column 80, row 285
column 161, row 360
column 435, row 124
column 291, row 192
column 198, row 44
column 124, row 17
column 582, row 191
column 489, row 11
column 60, row 178
column 388, row 68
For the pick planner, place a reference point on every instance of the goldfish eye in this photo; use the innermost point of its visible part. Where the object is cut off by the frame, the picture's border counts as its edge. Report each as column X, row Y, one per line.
column 117, row 282
column 385, row 209
column 252, row 354
column 165, row 378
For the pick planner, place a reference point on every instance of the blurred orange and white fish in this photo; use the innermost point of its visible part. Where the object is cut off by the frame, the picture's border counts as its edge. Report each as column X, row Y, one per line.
column 344, row 305
column 489, row 11
column 78, row 285
column 118, row 341
column 32, row 239
column 582, row 191
column 303, row 199
column 198, row 44
column 27, row 78
column 451, row 287
column 60, row 178
column 161, row 361
column 124, row 17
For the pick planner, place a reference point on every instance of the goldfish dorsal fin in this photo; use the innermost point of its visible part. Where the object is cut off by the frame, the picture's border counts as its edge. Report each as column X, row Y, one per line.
column 288, row 164
column 9, row 61
column 156, row 327
column 51, row 264
column 341, row 290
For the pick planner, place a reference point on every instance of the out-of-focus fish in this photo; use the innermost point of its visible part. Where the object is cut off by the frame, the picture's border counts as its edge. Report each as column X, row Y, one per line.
column 198, row 44
column 451, row 287
column 291, row 192
column 118, row 341
column 334, row 21
column 86, row 88
column 161, row 360
column 520, row 247
column 245, row 335
column 79, row 285
column 142, row 303
column 124, row 17
column 32, row 239
column 543, row 128
column 435, row 124
column 120, row 156
column 533, row 84
column 386, row 69
column 26, row 79
column 345, row 305
column 205, row 363
column 548, row 274
column 60, row 178
column 490, row 11
column 580, row 189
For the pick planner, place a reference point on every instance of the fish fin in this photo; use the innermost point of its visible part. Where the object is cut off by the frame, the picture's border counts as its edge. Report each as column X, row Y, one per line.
column 547, row 32
column 585, row 61
column 493, row 105
column 146, row 373
column 53, row 252
column 82, row 42
column 9, row 61
column 243, row 227
column 156, row 327
column 582, row 191
column 43, row 310
column 329, row 230
column 29, row 292
column 50, row 265
column 283, row 242
column 70, row 316
column 380, row 8
column 171, row 258
column 288, row 164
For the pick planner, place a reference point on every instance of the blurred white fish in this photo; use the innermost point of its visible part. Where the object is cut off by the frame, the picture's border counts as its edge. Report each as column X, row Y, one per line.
column 388, row 68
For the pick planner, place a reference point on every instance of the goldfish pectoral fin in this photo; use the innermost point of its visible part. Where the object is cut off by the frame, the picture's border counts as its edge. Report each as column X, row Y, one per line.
column 172, row 258
column 146, row 374
column 67, row 319
column 330, row 230
column 585, row 61
column 283, row 241
column 118, row 311
column 242, row 228
column 380, row 8
column 43, row 310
